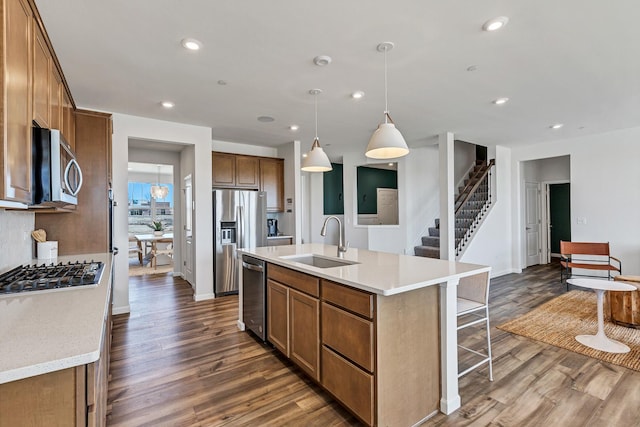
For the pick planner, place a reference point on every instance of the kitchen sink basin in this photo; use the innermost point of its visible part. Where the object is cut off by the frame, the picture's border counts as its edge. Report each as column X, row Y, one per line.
column 319, row 260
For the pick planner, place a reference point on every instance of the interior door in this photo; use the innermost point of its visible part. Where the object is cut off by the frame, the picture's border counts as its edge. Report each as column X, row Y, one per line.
column 532, row 223
column 559, row 215
column 387, row 205
column 188, row 230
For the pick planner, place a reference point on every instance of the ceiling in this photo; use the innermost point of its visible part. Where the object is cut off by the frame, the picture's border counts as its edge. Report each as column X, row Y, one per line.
column 574, row 62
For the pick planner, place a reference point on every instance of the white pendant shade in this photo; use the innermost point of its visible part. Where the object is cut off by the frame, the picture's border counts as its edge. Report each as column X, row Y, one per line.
column 159, row 191
column 386, row 143
column 316, row 159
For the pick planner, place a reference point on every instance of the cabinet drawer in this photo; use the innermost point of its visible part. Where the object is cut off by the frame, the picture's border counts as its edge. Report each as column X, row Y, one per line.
column 295, row 279
column 349, row 335
column 349, row 384
column 350, row 299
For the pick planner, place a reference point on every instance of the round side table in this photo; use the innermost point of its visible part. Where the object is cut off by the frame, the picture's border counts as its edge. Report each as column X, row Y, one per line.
column 600, row 341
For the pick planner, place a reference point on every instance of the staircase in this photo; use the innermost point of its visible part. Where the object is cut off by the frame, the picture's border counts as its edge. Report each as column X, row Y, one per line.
column 471, row 204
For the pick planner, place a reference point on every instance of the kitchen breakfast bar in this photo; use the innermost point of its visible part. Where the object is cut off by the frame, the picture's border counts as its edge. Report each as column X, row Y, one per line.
column 377, row 330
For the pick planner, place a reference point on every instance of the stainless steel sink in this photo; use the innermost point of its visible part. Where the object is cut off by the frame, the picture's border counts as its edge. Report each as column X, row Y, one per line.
column 319, row 260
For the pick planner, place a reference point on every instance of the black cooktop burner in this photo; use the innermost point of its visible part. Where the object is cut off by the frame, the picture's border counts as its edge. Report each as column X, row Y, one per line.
column 29, row 278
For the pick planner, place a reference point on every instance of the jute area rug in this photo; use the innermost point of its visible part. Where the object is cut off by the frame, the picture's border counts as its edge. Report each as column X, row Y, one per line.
column 558, row 321
column 135, row 269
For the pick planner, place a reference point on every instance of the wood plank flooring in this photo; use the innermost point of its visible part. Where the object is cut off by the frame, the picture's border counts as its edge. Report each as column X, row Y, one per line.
column 175, row 362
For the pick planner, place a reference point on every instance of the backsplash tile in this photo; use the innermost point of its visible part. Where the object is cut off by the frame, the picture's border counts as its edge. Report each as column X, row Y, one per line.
column 14, row 248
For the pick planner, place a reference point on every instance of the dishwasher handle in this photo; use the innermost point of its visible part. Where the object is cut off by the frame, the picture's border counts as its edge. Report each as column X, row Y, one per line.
column 253, row 267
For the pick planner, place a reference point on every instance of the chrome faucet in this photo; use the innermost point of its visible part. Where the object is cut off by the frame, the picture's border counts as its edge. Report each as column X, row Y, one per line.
column 341, row 248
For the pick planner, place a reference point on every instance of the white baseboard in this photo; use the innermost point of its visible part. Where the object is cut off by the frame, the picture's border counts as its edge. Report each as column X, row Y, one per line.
column 241, row 325
column 121, row 310
column 203, row 297
column 505, row 272
column 178, row 274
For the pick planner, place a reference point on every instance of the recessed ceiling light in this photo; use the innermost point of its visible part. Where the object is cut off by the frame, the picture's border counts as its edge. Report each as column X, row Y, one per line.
column 265, row 119
column 556, row 126
column 168, row 104
column 322, row 60
column 357, row 94
column 495, row 23
column 500, row 101
column 304, row 154
column 390, row 164
column 191, row 44
column 294, row 128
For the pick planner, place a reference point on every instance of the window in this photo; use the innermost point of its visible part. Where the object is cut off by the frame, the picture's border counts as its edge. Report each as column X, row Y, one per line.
column 143, row 209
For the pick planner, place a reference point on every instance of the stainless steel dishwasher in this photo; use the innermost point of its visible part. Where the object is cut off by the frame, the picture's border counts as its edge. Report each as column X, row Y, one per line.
column 254, row 295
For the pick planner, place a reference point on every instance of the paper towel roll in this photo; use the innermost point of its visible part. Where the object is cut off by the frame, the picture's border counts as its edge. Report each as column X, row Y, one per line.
column 48, row 251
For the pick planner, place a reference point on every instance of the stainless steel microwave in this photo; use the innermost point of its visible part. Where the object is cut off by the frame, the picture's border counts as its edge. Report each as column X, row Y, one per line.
column 56, row 174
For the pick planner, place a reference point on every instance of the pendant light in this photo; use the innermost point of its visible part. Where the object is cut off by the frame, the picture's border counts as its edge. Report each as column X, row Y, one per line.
column 159, row 191
column 386, row 142
column 316, row 160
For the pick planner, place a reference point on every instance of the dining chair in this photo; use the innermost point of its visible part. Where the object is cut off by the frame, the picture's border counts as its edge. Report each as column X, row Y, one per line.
column 473, row 309
column 155, row 251
column 135, row 247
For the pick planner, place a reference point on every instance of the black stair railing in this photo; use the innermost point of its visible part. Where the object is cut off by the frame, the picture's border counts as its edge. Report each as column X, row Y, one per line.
column 480, row 180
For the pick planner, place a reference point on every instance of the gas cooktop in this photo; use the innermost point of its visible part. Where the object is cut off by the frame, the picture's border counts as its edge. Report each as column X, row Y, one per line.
column 31, row 278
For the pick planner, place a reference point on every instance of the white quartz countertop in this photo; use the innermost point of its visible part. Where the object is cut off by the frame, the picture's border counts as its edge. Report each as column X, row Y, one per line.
column 377, row 272
column 47, row 331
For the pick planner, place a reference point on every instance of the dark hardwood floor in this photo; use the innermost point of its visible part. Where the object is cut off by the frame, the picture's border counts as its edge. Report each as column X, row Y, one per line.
column 175, row 362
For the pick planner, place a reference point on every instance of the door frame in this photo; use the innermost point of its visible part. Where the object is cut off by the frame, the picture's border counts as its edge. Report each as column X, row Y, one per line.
column 524, row 231
column 546, row 219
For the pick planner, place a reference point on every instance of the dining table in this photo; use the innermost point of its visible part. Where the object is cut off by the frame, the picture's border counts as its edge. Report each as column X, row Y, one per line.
column 148, row 240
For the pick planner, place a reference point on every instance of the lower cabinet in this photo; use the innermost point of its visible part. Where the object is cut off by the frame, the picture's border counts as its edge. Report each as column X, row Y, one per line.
column 293, row 317
column 377, row 355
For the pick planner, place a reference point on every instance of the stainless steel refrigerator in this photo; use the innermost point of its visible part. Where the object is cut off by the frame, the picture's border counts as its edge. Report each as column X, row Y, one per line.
column 239, row 221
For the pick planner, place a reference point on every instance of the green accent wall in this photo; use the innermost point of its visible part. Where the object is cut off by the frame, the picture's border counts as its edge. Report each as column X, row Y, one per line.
column 333, row 190
column 560, row 214
column 369, row 179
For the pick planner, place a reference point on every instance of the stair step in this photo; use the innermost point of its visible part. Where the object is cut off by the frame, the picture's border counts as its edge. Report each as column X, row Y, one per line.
column 437, row 222
column 433, row 241
column 427, row 251
column 434, row 232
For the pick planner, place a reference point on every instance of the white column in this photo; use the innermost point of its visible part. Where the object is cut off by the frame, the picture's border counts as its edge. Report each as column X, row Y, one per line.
column 449, row 397
column 447, row 191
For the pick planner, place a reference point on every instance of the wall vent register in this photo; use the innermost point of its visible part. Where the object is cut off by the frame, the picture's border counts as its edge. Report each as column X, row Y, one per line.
column 31, row 278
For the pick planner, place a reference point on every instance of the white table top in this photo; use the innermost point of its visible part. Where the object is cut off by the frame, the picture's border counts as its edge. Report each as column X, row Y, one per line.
column 47, row 331
column 151, row 237
column 379, row 272
column 605, row 285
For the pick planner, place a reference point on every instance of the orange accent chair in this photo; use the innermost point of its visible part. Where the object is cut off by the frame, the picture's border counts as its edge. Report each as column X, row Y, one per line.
column 587, row 256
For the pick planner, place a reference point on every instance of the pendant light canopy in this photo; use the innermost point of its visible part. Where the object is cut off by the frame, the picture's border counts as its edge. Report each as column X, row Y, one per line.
column 316, row 160
column 386, row 142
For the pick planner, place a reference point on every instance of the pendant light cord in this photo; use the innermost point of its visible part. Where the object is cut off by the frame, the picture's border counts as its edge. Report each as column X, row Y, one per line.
column 386, row 107
column 315, row 99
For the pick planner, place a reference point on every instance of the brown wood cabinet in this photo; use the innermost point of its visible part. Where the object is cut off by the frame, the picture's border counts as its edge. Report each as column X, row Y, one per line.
column 234, row 171
column 70, row 397
column 293, row 322
column 55, row 89
column 16, row 104
column 272, row 181
column 91, row 216
column 377, row 355
column 68, row 124
column 250, row 172
column 41, row 80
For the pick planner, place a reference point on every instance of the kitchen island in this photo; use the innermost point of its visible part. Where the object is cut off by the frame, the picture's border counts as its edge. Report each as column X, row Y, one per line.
column 376, row 330
column 54, row 352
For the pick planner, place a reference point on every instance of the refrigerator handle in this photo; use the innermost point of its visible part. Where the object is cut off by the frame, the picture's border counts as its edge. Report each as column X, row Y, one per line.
column 240, row 227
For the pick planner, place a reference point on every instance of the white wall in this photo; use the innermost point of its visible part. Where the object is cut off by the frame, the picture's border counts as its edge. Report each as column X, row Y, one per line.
column 604, row 178
column 492, row 243
column 248, row 149
column 16, row 244
column 127, row 127
column 290, row 221
column 464, row 157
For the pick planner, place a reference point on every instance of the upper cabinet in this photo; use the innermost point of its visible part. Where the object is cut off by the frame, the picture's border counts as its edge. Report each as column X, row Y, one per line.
column 272, row 181
column 41, row 80
column 33, row 91
column 250, row 173
column 15, row 131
